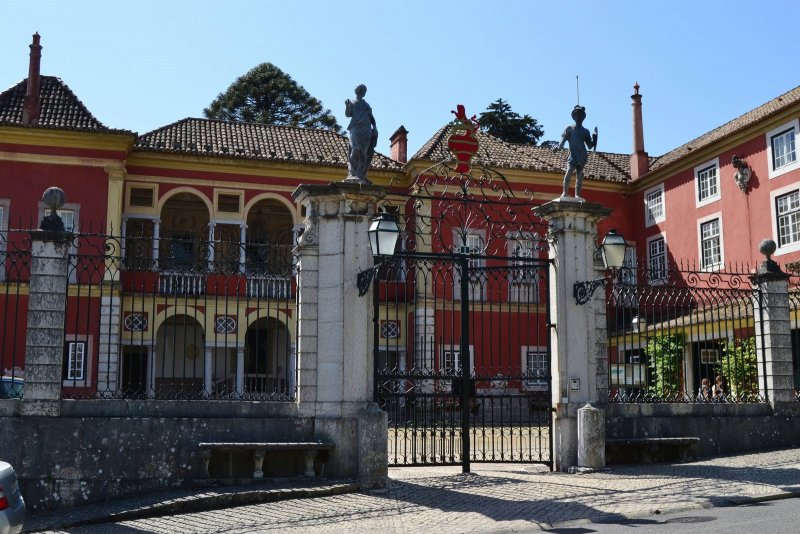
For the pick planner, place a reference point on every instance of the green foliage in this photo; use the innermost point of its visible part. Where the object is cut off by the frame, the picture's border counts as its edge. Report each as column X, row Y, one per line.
column 268, row 95
column 664, row 356
column 500, row 121
column 739, row 365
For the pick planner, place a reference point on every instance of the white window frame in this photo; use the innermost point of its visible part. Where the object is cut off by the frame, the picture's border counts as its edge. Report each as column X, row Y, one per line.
column 770, row 135
column 75, row 208
column 88, row 364
column 477, row 290
column 657, row 281
column 455, row 352
column 698, row 172
column 539, row 381
column 651, row 220
column 773, row 196
column 523, row 286
column 702, row 222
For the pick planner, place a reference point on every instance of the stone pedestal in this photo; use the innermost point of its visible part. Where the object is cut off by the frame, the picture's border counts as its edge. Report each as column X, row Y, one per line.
column 44, row 342
column 591, row 437
column 579, row 359
column 335, row 336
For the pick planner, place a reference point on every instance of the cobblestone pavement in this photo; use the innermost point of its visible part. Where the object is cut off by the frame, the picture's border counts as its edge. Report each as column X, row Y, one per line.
column 499, row 498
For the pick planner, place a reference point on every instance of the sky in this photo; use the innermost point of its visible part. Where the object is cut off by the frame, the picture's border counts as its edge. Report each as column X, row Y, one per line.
column 139, row 65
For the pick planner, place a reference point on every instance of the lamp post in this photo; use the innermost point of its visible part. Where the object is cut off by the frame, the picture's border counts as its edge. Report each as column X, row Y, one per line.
column 383, row 234
column 612, row 250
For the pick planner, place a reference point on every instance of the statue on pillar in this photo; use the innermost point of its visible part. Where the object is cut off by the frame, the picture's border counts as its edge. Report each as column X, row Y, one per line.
column 579, row 139
column 363, row 136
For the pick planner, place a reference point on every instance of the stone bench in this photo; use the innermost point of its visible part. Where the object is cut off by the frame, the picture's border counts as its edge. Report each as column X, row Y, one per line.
column 259, row 450
column 647, row 450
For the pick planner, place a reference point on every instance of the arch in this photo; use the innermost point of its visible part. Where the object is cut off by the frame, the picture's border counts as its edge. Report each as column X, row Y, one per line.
column 272, row 196
column 269, row 360
column 172, row 311
column 179, row 366
column 272, row 313
column 184, row 189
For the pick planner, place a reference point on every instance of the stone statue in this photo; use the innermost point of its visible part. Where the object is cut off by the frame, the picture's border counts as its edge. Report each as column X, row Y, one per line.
column 579, row 140
column 363, row 136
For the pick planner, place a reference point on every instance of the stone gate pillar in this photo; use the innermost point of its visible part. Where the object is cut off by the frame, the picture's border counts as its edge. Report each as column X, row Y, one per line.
column 579, row 359
column 773, row 330
column 335, row 329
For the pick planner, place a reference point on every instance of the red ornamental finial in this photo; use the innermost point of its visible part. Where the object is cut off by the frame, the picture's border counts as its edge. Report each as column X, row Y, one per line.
column 462, row 141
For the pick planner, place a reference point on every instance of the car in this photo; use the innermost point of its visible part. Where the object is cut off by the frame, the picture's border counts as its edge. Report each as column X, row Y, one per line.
column 11, row 387
column 12, row 505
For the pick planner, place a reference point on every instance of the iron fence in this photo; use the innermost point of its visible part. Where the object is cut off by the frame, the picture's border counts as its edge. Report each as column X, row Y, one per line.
column 794, row 318
column 682, row 335
column 15, row 266
column 200, row 322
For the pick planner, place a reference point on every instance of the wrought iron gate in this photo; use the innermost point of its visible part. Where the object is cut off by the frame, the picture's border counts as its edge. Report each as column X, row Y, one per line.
column 445, row 321
column 462, row 340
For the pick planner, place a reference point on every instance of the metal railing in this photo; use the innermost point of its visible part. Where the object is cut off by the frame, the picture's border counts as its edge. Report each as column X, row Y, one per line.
column 15, row 265
column 682, row 335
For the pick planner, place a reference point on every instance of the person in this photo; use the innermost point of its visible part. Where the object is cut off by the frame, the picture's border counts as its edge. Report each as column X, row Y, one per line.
column 719, row 389
column 579, row 139
column 363, row 135
column 704, row 393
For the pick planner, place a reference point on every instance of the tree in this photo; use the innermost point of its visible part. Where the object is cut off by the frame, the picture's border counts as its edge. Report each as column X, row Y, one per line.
column 502, row 122
column 268, row 95
column 664, row 354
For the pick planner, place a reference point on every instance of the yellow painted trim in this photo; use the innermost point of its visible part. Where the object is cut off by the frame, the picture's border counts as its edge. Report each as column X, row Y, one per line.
column 228, row 216
column 172, row 311
column 251, row 186
column 46, row 159
column 12, row 289
column 263, row 313
column 140, row 209
column 67, row 139
column 305, row 172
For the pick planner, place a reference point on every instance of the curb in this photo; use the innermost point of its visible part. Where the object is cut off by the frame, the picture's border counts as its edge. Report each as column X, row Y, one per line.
column 204, row 503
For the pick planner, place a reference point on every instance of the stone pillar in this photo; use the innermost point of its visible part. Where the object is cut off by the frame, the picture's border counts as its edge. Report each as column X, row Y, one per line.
column 578, row 339
column 44, row 342
column 773, row 330
column 156, row 238
column 108, row 355
column 335, row 338
column 242, row 247
column 239, row 371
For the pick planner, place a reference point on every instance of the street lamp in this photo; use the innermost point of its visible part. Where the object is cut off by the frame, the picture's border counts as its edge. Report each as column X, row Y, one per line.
column 612, row 250
column 383, row 234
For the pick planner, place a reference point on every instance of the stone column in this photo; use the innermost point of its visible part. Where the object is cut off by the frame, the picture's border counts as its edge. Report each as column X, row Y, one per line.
column 156, row 238
column 335, row 338
column 44, row 342
column 208, row 370
column 239, row 371
column 773, row 330
column 242, row 247
column 109, row 345
column 150, row 380
column 578, row 339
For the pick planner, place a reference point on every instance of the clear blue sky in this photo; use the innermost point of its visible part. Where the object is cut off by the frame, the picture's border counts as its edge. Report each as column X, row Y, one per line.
column 143, row 64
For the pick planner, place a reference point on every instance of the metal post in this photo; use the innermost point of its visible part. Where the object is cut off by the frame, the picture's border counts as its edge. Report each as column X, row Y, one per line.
column 463, row 264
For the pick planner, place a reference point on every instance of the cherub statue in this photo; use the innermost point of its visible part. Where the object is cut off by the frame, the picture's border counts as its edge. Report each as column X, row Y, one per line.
column 579, row 140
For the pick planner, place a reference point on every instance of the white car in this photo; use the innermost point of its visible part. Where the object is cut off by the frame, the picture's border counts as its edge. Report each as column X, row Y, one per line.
column 12, row 506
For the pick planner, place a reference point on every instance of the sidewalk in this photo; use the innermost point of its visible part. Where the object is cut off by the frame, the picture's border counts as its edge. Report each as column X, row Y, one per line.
column 494, row 497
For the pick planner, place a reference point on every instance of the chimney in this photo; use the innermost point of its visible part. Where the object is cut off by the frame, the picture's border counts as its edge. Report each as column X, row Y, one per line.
column 639, row 162
column 399, row 144
column 31, row 106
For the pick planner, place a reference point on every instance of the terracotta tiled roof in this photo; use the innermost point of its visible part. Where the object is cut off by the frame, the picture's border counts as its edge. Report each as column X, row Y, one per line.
column 499, row 154
column 747, row 120
column 61, row 109
column 254, row 141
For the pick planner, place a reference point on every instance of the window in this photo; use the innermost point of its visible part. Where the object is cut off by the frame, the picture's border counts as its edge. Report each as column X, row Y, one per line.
column 706, row 177
column 524, row 277
column 471, row 244
column 451, row 359
column 537, row 364
column 787, row 209
column 75, row 362
column 68, row 216
column 711, row 243
column 782, row 150
column 657, row 259
column 229, row 203
column 654, row 211
column 141, row 197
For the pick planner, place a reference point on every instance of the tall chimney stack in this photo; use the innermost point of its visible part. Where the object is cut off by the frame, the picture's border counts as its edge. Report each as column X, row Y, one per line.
column 399, row 145
column 639, row 161
column 31, row 106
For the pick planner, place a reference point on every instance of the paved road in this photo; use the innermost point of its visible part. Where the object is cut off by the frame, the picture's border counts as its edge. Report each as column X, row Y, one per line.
column 500, row 498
